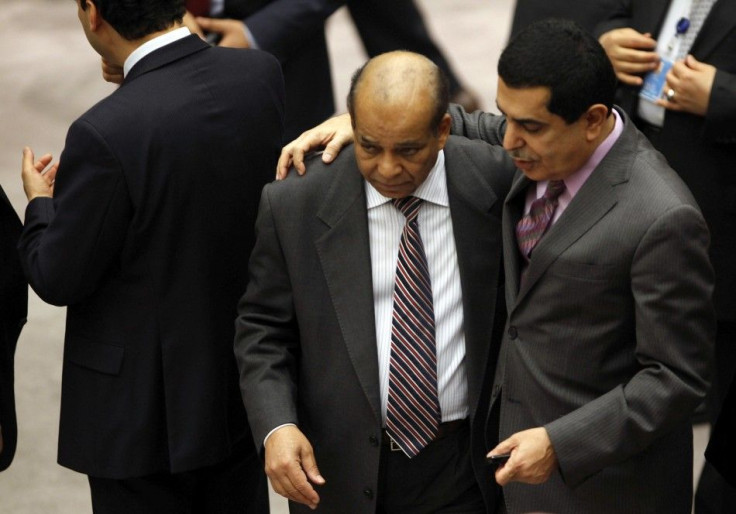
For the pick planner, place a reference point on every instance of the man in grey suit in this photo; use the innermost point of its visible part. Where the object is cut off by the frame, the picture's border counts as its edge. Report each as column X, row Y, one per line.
column 315, row 336
column 608, row 344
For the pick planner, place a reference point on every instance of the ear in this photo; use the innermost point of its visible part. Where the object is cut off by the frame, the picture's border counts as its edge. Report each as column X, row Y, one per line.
column 595, row 120
column 443, row 130
column 93, row 15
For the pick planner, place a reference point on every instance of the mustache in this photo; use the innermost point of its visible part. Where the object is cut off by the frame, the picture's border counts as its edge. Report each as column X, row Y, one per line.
column 520, row 155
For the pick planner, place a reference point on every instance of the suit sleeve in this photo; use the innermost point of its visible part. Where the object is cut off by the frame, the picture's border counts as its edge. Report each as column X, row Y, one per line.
column 69, row 242
column 281, row 26
column 619, row 17
column 477, row 125
column 720, row 119
column 672, row 285
column 266, row 333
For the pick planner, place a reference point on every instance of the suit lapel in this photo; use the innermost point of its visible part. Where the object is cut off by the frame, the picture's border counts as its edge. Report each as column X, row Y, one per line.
column 165, row 55
column 478, row 248
column 344, row 253
column 594, row 200
column 512, row 212
column 717, row 26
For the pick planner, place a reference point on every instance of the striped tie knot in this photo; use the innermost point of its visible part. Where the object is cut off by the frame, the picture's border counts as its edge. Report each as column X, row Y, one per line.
column 409, row 206
column 534, row 224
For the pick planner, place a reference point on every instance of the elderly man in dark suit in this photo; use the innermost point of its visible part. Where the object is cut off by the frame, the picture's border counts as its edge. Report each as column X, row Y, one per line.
column 324, row 334
column 143, row 231
column 13, row 310
column 608, row 344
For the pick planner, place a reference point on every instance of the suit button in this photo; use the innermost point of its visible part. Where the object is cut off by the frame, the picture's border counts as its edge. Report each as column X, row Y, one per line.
column 512, row 332
column 368, row 493
column 373, row 440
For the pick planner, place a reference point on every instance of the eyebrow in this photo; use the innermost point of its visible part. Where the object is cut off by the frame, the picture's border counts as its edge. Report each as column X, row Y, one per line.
column 521, row 121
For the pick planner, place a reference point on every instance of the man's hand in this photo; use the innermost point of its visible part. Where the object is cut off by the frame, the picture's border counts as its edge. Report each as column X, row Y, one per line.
column 232, row 32
column 112, row 72
column 532, row 457
column 290, row 466
column 190, row 22
column 332, row 134
column 692, row 81
column 631, row 53
column 36, row 181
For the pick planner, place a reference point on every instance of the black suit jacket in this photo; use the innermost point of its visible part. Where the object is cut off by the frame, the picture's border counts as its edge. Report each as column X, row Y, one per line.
column 146, row 240
column 293, row 31
column 306, row 341
column 588, row 13
column 13, row 310
column 387, row 25
column 702, row 150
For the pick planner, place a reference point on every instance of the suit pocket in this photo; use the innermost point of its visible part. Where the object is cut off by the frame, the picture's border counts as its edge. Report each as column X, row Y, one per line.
column 102, row 357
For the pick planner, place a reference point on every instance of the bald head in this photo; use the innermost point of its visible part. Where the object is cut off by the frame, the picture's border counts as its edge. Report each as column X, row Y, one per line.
column 401, row 80
column 398, row 106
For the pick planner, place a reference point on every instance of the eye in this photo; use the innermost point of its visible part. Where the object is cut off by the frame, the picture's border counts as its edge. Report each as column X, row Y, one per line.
column 531, row 128
column 407, row 152
column 369, row 148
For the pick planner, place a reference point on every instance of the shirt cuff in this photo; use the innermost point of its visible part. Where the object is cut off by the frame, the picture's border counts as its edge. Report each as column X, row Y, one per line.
column 275, row 429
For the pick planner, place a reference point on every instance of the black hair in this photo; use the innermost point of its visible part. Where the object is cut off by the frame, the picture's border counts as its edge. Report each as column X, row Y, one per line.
column 562, row 56
column 134, row 19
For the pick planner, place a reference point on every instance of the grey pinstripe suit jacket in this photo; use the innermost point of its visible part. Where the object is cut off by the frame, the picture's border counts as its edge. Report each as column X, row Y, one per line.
column 608, row 343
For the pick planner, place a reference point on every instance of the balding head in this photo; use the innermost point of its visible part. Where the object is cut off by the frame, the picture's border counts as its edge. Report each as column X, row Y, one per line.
column 398, row 106
column 401, row 80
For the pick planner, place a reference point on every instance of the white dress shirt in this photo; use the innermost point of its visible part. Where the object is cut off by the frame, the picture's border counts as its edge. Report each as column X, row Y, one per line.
column 153, row 45
column 385, row 224
column 649, row 111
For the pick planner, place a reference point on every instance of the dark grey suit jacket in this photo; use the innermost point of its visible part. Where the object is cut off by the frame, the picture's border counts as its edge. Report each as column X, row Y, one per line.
column 608, row 343
column 306, row 342
column 701, row 149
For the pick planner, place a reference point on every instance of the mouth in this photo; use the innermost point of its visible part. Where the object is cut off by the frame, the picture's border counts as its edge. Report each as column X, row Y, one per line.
column 524, row 164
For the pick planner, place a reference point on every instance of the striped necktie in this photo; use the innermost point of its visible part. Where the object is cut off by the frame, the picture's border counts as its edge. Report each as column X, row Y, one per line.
column 534, row 224
column 413, row 410
column 698, row 13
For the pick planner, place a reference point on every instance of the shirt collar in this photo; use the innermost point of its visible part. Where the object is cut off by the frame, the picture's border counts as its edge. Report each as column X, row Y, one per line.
column 433, row 189
column 153, row 45
column 574, row 182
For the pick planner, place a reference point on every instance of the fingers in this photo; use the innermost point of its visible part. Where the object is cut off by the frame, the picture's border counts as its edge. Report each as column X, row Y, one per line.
column 209, row 24
column 290, row 465
column 191, row 23
column 27, row 162
column 112, row 72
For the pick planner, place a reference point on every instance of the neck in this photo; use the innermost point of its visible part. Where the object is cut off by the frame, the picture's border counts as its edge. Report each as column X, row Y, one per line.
column 124, row 47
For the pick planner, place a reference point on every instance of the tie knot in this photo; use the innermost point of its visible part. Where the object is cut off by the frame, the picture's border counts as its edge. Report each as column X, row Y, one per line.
column 554, row 189
column 409, row 206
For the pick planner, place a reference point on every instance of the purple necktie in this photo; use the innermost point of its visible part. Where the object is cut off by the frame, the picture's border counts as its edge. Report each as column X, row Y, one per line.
column 532, row 226
column 413, row 410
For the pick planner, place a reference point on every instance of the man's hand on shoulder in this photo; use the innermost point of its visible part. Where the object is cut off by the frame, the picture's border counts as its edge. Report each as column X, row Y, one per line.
column 332, row 134
column 36, row 181
column 532, row 457
column 291, row 467
column 232, row 32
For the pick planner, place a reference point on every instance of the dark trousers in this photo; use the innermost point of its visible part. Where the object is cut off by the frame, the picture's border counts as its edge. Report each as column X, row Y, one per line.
column 236, row 486
column 440, row 480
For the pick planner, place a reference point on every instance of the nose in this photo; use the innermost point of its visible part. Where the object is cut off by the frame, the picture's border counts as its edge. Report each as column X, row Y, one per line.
column 512, row 139
column 388, row 166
